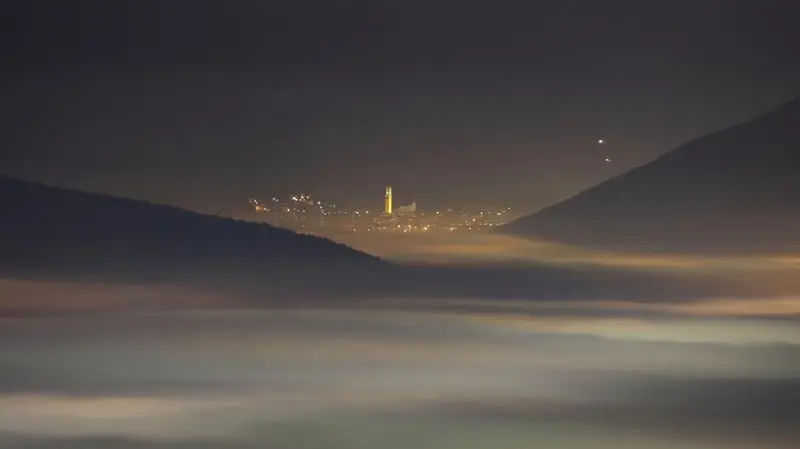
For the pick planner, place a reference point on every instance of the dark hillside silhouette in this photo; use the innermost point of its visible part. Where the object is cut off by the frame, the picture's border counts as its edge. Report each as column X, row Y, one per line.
column 51, row 232
column 733, row 191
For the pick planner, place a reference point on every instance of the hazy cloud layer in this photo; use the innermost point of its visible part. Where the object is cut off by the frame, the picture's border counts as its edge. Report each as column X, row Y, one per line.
column 397, row 379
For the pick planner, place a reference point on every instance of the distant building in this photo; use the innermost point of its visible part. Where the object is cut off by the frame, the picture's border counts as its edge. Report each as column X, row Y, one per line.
column 387, row 202
column 411, row 209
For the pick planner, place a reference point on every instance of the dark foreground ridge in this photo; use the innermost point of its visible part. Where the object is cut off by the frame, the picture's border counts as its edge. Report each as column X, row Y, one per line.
column 48, row 232
column 733, row 191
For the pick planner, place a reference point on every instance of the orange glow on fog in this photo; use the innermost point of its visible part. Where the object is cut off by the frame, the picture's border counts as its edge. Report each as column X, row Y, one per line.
column 472, row 247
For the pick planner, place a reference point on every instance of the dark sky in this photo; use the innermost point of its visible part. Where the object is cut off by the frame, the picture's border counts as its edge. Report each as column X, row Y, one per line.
column 206, row 103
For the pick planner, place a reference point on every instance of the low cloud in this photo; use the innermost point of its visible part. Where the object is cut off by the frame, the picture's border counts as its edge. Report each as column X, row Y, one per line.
column 452, row 377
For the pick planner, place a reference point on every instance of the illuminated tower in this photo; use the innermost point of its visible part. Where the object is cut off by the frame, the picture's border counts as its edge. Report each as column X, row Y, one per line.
column 387, row 202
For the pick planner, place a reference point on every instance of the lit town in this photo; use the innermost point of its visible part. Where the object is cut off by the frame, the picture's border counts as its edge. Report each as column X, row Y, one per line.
column 305, row 213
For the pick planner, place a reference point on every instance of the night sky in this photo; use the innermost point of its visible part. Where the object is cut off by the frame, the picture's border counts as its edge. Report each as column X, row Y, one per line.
column 204, row 104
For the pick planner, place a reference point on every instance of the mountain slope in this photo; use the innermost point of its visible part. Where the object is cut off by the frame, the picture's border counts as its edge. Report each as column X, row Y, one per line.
column 46, row 231
column 733, row 191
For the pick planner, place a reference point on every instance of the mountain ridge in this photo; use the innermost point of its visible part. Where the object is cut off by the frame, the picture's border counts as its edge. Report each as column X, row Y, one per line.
column 742, row 181
column 49, row 231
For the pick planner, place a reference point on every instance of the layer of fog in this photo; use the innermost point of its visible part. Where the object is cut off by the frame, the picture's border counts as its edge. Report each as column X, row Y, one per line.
column 486, row 247
column 461, row 374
